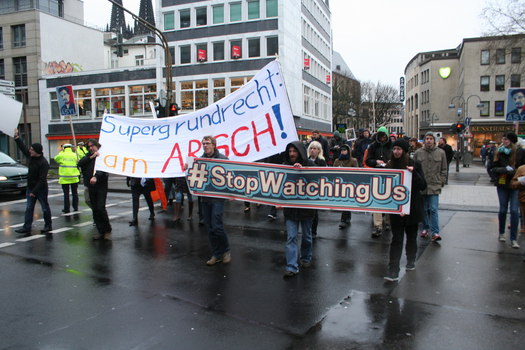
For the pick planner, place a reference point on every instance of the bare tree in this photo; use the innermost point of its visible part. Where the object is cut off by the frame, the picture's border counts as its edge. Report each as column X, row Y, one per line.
column 379, row 102
column 504, row 17
column 346, row 101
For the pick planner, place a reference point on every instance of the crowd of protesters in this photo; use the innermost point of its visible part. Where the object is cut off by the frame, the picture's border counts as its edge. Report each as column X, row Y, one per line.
column 428, row 160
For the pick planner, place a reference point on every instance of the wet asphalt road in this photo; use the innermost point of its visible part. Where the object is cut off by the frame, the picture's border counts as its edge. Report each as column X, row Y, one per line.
column 150, row 287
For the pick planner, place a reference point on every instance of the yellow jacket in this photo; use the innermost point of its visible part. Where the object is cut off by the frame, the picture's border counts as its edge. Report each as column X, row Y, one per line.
column 67, row 171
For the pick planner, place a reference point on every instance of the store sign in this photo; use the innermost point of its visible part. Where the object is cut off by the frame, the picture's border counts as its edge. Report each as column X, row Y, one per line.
column 236, row 51
column 201, row 55
column 401, row 89
column 444, row 72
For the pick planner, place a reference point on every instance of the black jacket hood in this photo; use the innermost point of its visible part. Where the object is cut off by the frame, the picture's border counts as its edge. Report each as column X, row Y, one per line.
column 298, row 145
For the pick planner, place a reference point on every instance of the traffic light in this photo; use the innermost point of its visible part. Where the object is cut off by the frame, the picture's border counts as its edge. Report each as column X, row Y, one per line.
column 159, row 110
column 458, row 127
column 174, row 109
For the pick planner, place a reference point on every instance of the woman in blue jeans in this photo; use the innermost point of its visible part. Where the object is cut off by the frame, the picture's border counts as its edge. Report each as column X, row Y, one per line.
column 503, row 168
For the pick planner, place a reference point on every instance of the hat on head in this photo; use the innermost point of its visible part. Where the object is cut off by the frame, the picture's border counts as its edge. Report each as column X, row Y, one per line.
column 37, row 147
column 401, row 143
column 430, row 133
column 337, row 134
column 345, row 147
column 66, row 145
column 383, row 130
column 511, row 136
column 81, row 143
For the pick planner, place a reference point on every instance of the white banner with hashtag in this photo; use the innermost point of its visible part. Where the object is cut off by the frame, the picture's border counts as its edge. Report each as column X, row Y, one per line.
column 252, row 123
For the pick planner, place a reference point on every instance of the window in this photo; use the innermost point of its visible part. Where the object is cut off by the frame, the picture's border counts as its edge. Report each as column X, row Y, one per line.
column 139, row 60
column 272, row 46
column 219, row 90
column 185, row 54
column 515, row 80
column 253, row 9
column 1, row 38
column 235, row 12
column 218, row 51
column 172, row 54
column 500, row 56
column 271, row 8
column 110, row 99
column 19, row 35
column 185, row 18
column 138, row 99
column 484, row 111
column 485, row 57
column 515, row 56
column 500, row 82
column 499, row 108
column 218, row 14
column 254, row 47
column 202, row 52
column 169, row 21
column 2, row 69
column 202, row 16
column 236, row 48
column 484, row 83
column 236, row 83
column 20, row 70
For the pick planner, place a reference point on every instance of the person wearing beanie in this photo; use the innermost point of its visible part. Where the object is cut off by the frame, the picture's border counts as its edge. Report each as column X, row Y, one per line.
column 434, row 162
column 37, row 188
column 503, row 168
column 346, row 160
column 335, row 147
column 361, row 145
column 376, row 156
column 405, row 224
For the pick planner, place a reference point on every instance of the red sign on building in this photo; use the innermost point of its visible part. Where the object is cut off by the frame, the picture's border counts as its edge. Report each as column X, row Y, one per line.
column 201, row 55
column 306, row 63
column 328, row 78
column 236, row 52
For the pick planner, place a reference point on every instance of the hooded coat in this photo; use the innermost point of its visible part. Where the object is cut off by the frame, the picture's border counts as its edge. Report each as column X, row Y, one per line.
column 379, row 151
column 298, row 214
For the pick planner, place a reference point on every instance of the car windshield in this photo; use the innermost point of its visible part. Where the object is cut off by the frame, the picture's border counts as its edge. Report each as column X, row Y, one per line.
column 5, row 159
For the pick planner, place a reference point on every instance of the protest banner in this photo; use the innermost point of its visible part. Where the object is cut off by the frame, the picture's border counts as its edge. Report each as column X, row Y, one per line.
column 11, row 112
column 252, row 123
column 355, row 189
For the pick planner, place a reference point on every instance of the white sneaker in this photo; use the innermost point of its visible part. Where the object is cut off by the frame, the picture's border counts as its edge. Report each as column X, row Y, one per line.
column 502, row 238
column 514, row 244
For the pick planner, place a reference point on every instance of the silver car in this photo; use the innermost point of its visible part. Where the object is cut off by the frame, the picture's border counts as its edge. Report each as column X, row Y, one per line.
column 13, row 175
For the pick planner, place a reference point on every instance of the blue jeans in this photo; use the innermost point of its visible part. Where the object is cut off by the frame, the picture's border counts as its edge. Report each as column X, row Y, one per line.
column 179, row 196
column 292, row 251
column 430, row 213
column 213, row 210
column 41, row 196
column 506, row 196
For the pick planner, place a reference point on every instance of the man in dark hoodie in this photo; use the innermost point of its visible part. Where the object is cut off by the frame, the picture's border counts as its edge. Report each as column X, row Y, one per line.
column 294, row 217
column 378, row 154
column 36, row 186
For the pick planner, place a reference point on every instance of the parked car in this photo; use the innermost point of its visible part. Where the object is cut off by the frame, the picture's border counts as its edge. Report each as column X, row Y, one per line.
column 13, row 175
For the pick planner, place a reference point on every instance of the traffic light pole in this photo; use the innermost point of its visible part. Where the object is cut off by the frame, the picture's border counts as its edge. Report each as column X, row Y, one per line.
column 164, row 44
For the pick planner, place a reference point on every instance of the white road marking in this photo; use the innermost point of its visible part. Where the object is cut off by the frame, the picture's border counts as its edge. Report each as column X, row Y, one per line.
column 7, row 244
column 84, row 224
column 17, row 225
column 61, row 229
column 30, row 238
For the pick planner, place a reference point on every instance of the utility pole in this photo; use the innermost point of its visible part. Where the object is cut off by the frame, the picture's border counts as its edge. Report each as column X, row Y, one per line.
column 164, row 44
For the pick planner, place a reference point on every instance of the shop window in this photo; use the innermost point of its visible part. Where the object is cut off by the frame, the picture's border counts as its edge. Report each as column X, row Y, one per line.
column 185, row 54
column 254, row 47
column 272, row 46
column 254, row 9
column 219, row 89
column 185, row 18
column 236, row 83
column 485, row 57
column 515, row 55
column 218, row 14
column 201, row 94
column 235, row 12
column 83, row 102
column 500, row 56
column 499, row 108
column 484, row 83
column 169, row 21
column 485, row 110
column 187, row 95
column 139, row 97
column 218, row 51
column 202, row 16
column 111, row 100
column 500, row 82
column 515, row 80
column 271, row 8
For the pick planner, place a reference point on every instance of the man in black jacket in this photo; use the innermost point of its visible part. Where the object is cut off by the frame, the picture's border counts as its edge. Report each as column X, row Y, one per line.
column 449, row 153
column 377, row 155
column 36, row 186
column 294, row 217
column 97, row 183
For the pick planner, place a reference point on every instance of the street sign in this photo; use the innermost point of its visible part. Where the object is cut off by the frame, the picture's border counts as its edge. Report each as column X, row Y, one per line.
column 467, row 121
column 7, row 83
column 7, row 90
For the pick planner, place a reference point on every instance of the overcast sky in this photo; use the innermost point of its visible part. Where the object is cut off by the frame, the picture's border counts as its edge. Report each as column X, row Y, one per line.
column 377, row 38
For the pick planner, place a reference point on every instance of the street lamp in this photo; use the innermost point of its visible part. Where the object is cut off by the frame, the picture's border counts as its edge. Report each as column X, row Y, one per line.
column 431, row 118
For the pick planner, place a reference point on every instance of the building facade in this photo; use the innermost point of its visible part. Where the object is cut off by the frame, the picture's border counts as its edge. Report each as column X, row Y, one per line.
column 468, row 83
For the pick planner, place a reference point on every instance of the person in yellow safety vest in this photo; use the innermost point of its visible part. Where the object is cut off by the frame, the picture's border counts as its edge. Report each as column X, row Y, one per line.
column 68, row 175
column 81, row 150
